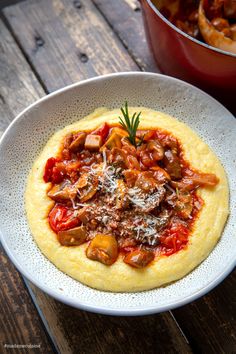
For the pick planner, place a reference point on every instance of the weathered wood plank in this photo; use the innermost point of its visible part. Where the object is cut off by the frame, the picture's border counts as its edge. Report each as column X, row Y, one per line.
column 52, row 37
column 126, row 20
column 67, row 41
column 210, row 322
column 134, row 4
column 18, row 85
column 71, row 329
column 84, row 332
column 19, row 320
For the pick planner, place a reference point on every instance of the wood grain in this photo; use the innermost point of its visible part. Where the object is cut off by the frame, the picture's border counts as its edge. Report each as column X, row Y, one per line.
column 84, row 332
column 19, row 320
column 67, row 41
column 125, row 18
column 18, row 84
column 210, row 322
column 73, row 330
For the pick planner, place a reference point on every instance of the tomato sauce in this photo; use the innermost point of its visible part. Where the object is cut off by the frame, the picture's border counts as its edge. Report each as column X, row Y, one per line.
column 144, row 195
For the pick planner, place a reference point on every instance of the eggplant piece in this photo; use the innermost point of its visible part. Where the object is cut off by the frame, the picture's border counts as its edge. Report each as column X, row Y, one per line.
column 89, row 189
column 146, row 182
column 132, row 163
column 139, row 258
column 204, row 179
column 160, row 174
column 72, row 237
column 196, row 180
column 62, row 191
column 172, row 164
column 103, row 248
column 156, row 149
column 153, row 200
column 114, row 140
column 184, row 204
column 130, row 177
column 185, row 184
column 84, row 214
column 118, row 157
column 82, row 181
column 78, row 142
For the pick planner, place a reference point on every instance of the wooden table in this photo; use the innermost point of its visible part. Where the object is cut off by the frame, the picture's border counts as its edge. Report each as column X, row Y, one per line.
column 45, row 45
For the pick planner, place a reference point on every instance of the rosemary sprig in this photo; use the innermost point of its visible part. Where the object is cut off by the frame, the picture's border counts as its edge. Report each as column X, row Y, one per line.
column 130, row 124
column 177, row 192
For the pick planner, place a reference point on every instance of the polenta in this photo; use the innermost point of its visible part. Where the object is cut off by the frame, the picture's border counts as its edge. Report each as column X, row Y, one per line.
column 124, row 204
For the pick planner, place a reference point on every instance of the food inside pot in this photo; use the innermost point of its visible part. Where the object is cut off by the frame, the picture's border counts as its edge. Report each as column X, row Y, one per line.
column 210, row 21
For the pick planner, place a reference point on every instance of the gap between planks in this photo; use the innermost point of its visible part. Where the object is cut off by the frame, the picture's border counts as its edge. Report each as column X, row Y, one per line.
column 28, row 58
column 68, row 50
column 37, row 293
column 115, row 66
column 127, row 23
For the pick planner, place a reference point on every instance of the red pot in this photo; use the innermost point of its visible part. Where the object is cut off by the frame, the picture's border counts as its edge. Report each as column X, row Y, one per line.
column 177, row 54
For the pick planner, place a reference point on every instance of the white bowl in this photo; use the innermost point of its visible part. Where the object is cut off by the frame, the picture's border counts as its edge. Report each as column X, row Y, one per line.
column 29, row 132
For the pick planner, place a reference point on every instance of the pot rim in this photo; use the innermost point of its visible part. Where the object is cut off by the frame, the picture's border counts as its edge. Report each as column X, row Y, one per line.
column 158, row 13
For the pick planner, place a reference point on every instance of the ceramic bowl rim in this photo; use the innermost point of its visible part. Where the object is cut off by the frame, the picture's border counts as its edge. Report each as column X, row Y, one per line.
column 74, row 302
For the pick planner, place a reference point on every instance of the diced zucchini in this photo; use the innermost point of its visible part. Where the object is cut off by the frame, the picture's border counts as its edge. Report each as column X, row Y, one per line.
column 93, row 142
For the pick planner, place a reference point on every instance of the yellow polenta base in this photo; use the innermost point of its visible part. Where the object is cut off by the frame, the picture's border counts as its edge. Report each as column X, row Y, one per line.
column 120, row 277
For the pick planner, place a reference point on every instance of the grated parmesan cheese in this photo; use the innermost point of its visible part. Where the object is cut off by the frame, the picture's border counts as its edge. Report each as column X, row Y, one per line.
column 142, row 226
